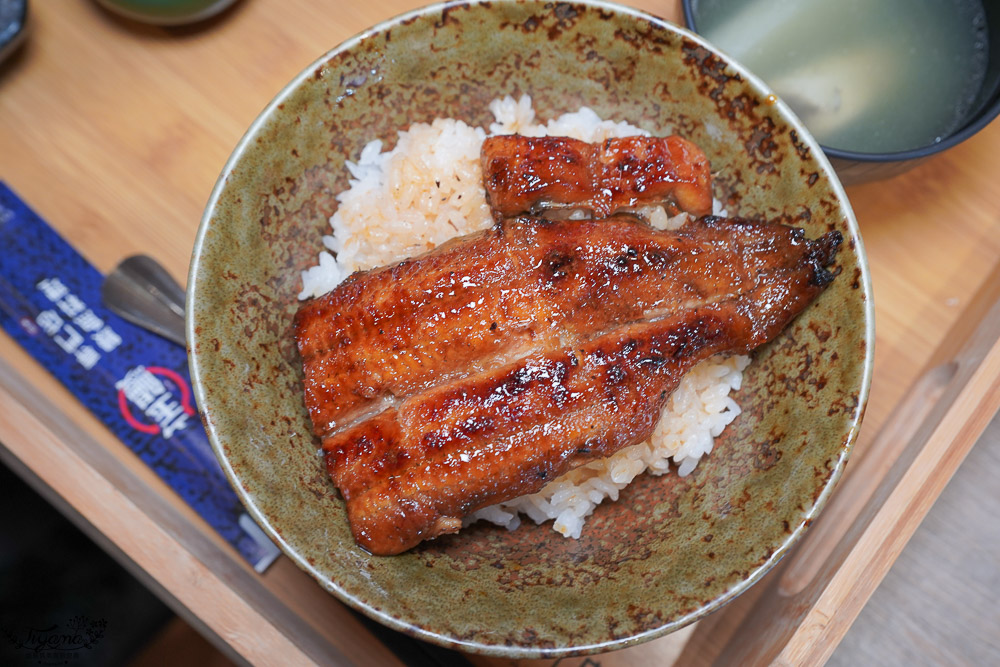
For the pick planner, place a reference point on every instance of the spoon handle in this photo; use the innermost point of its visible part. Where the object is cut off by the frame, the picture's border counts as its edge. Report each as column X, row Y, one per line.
column 141, row 291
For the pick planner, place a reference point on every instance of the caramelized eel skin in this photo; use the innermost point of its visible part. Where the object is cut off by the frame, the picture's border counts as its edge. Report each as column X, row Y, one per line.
column 522, row 286
column 536, row 174
column 484, row 369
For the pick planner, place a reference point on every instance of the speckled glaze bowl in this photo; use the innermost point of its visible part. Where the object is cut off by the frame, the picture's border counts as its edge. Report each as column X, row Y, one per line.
column 670, row 550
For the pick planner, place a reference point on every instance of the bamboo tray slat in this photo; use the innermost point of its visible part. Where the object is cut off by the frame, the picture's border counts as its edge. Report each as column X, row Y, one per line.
column 115, row 133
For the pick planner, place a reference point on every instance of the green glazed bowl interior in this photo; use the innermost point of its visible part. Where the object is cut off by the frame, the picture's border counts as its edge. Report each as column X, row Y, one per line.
column 671, row 549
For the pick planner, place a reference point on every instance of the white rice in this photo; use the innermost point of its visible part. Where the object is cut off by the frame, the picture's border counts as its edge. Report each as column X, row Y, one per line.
column 427, row 190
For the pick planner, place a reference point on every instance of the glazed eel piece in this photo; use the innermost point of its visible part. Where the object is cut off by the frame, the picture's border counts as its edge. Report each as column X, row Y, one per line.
column 524, row 285
column 546, row 174
column 577, row 374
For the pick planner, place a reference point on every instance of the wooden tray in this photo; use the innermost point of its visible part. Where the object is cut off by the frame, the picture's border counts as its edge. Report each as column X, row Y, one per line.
column 115, row 132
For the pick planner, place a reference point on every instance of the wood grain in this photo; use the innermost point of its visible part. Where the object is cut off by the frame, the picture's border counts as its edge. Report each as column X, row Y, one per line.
column 115, row 132
column 937, row 605
column 800, row 622
column 191, row 571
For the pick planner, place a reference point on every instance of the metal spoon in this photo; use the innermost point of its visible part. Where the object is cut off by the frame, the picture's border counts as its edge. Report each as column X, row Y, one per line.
column 141, row 291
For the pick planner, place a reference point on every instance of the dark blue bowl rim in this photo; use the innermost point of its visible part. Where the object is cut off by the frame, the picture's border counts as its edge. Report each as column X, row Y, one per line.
column 978, row 122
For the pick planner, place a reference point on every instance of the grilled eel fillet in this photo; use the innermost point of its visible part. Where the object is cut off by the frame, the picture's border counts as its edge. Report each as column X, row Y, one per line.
column 536, row 174
column 493, row 364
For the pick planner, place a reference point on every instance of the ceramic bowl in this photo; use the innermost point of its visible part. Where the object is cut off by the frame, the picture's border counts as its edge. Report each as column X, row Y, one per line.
column 671, row 549
column 167, row 12
column 853, row 166
column 13, row 21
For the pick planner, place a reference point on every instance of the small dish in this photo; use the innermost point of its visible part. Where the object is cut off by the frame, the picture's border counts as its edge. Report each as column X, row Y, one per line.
column 167, row 12
column 841, row 23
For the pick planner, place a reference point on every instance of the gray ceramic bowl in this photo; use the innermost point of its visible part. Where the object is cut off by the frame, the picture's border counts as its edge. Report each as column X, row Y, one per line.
column 853, row 166
column 167, row 12
column 670, row 550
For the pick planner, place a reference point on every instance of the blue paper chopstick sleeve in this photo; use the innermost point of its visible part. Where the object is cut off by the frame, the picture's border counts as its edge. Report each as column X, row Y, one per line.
column 134, row 381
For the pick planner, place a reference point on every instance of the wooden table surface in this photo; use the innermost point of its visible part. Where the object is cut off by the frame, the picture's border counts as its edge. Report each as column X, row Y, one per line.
column 115, row 133
column 938, row 603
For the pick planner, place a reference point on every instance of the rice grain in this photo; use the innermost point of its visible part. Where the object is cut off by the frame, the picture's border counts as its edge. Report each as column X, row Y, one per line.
column 426, row 190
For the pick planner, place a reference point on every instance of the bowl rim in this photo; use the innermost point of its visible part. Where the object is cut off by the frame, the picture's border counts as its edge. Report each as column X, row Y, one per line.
column 499, row 650
column 987, row 114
